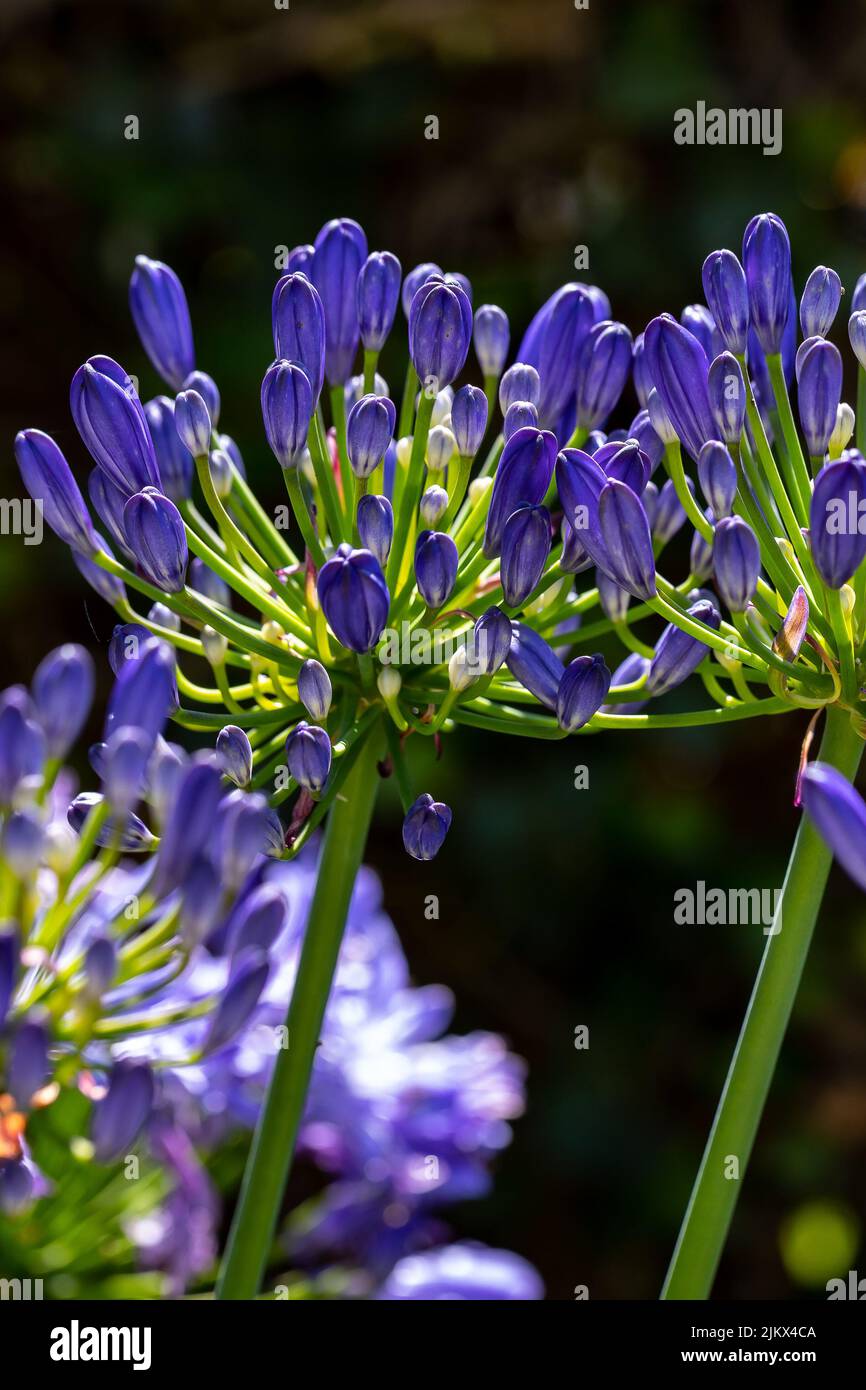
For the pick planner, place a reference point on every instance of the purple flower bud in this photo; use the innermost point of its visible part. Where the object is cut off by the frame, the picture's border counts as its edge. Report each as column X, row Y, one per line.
column 436, row 561
column 16, row 1185
column 626, row 462
column 579, row 480
column 62, row 694
column 634, row 667
column 426, row 824
column 369, row 431
column 520, row 383
column 524, row 474
column 301, row 258
column 525, row 548
column 837, row 530
column 298, row 319
column 207, row 388
column 839, row 815
column 858, row 298
column 376, row 525
column 626, row 537
column 165, row 772
column 857, row 335
column 724, row 283
column 678, row 366
column 701, row 324
column 241, row 836
column 125, row 644
column 433, row 505
column 108, row 586
column 603, row 367
column 28, row 1059
column 235, row 754
column 640, row 371
column 819, row 391
column 22, row 744
column 455, row 277
column 556, row 336
column 314, row 689
column 109, row 502
column 110, row 419
column 145, row 691
column 239, row 999
column 202, row 892
column 767, row 262
column 257, row 920
column 193, row 423
column 789, row 639
column 736, row 562
column 378, row 293
column 660, row 420
column 440, row 329
column 582, row 691
column 341, row 250
column 100, row 965
column 22, row 841
column 128, row 832
column 575, row 558
column 161, row 316
column 415, row 279
column 677, row 653
column 650, row 499
column 820, row 303
column 534, row 664
column 354, row 597
column 613, row 598
column 155, row 531
column 9, row 955
column 670, row 515
column 641, row 429
column 727, row 392
column 520, row 415
column 491, row 338
column 701, row 552
column 287, row 405
column 718, row 477
column 490, row 643
column 189, row 826
column 176, row 464
column 308, row 754
column 118, row 1119
column 469, row 419
column 48, row 478
column 207, row 582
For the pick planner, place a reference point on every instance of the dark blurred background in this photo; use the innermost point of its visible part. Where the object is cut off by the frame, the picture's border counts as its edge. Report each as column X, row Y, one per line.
column 556, row 129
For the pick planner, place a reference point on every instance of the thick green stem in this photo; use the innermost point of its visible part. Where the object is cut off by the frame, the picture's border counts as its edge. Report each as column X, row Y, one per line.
column 273, row 1146
column 714, row 1196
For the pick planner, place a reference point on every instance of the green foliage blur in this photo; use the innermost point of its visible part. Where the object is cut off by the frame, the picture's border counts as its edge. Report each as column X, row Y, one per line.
column 555, row 130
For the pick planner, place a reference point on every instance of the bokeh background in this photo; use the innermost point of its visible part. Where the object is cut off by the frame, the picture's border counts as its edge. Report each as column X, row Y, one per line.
column 555, row 130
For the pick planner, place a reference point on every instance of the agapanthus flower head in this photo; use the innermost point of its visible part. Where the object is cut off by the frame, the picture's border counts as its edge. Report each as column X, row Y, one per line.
column 161, row 316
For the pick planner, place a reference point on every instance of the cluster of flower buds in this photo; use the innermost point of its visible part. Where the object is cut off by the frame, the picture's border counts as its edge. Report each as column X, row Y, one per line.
column 434, row 582
column 109, row 896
